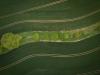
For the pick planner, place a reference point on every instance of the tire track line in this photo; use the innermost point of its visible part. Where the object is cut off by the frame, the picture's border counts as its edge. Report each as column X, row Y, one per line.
column 79, row 54
column 34, row 8
column 49, row 55
column 90, row 73
column 50, row 21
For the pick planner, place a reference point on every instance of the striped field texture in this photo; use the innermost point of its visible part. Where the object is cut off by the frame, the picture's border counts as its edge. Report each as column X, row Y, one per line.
column 48, row 19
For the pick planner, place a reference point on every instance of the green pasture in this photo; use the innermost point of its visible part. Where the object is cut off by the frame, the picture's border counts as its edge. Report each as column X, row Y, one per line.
column 40, row 58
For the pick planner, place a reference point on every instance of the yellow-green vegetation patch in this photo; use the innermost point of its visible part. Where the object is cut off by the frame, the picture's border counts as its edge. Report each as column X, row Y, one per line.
column 66, row 35
column 78, row 34
column 35, row 36
column 44, row 36
column 53, row 36
column 10, row 40
column 60, row 35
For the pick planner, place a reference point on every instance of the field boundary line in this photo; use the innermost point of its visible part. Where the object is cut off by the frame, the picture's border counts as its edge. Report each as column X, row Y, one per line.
column 50, row 21
column 90, row 72
column 49, row 55
column 34, row 8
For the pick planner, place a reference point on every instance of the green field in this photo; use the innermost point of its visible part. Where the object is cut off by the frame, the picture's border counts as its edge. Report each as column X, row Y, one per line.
column 50, row 58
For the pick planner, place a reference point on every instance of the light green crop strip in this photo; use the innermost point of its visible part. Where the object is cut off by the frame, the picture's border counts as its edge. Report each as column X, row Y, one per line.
column 61, row 36
column 10, row 41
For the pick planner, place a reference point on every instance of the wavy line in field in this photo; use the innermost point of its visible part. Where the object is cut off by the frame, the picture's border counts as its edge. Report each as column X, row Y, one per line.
column 49, row 55
column 90, row 73
column 34, row 8
column 50, row 21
